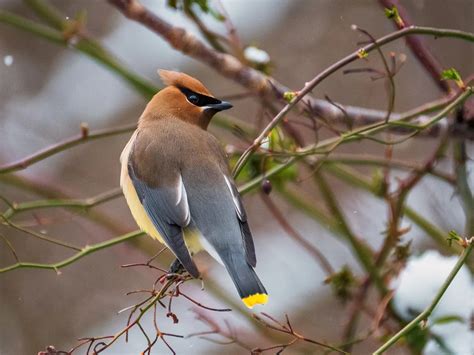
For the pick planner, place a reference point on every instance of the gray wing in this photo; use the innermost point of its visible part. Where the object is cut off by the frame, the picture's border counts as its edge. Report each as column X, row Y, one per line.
column 244, row 226
column 168, row 209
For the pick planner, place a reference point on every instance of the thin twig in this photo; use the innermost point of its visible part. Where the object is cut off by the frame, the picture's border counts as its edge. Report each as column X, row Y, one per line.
column 315, row 252
column 64, row 145
column 39, row 235
column 10, row 246
column 287, row 329
column 230, row 67
column 63, row 203
column 418, row 46
column 84, row 251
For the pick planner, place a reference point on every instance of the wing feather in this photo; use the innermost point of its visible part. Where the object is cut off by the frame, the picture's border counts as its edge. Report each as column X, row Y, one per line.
column 244, row 226
column 169, row 211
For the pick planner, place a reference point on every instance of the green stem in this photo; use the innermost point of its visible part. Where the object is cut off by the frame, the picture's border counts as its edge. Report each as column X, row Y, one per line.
column 39, row 235
column 83, row 252
column 326, row 146
column 430, row 229
column 462, row 182
column 353, row 178
column 63, row 203
column 309, row 208
column 47, row 191
column 335, row 67
column 362, row 251
column 423, row 316
column 48, row 13
column 87, row 46
column 364, row 159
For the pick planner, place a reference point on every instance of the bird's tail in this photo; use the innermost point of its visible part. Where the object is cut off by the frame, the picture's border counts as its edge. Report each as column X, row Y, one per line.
column 246, row 281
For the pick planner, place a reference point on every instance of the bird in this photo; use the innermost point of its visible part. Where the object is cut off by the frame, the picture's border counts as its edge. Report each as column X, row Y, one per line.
column 176, row 181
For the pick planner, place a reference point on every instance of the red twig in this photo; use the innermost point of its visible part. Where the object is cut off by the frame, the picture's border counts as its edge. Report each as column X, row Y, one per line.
column 287, row 328
column 419, row 47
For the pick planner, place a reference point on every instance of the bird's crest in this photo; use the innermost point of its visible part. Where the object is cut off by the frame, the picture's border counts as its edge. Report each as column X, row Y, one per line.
column 181, row 80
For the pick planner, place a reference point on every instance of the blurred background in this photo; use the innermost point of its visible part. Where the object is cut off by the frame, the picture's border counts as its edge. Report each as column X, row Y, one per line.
column 47, row 91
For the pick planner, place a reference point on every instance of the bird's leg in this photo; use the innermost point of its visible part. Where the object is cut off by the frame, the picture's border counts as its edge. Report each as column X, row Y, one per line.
column 176, row 267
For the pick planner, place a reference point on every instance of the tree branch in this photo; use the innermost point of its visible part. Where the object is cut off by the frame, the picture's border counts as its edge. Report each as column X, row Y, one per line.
column 64, row 145
column 84, row 251
column 85, row 45
column 230, row 67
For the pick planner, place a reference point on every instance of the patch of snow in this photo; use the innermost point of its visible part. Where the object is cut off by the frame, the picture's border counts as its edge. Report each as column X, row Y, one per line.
column 256, row 55
column 8, row 60
column 415, row 289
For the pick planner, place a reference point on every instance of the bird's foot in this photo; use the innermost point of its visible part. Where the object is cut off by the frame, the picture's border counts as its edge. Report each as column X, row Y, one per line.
column 176, row 268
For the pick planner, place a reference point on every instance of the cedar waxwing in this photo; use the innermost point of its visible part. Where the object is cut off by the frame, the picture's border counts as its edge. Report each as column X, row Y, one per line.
column 177, row 183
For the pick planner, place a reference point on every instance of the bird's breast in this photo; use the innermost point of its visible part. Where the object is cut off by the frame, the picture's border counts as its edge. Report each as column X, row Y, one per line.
column 131, row 196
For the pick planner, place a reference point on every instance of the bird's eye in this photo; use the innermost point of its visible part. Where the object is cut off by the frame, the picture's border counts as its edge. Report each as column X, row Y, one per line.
column 194, row 99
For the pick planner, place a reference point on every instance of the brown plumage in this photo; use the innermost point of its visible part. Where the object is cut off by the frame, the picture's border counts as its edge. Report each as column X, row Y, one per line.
column 177, row 79
column 177, row 183
column 170, row 102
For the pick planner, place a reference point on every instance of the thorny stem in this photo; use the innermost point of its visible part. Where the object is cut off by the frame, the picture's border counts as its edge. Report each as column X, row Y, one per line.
column 397, row 200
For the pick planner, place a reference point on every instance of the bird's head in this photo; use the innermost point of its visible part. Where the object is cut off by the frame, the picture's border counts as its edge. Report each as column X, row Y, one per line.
column 184, row 98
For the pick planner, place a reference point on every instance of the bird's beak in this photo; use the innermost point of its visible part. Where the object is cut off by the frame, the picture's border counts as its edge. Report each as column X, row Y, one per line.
column 221, row 106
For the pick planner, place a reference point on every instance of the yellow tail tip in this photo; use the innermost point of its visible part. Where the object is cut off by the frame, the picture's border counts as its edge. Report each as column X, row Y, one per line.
column 252, row 300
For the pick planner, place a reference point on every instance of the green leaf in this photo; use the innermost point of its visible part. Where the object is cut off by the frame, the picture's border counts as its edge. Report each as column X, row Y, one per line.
column 173, row 4
column 442, row 344
column 454, row 236
column 378, row 182
column 392, row 13
column 202, row 4
column 342, row 283
column 452, row 74
column 217, row 15
column 417, row 339
column 362, row 53
column 448, row 319
column 289, row 96
column 402, row 251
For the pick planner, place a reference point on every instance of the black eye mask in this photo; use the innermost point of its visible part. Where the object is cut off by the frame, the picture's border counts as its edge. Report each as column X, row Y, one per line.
column 199, row 99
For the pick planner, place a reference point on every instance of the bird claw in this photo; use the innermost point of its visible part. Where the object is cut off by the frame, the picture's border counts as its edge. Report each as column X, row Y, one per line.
column 176, row 268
